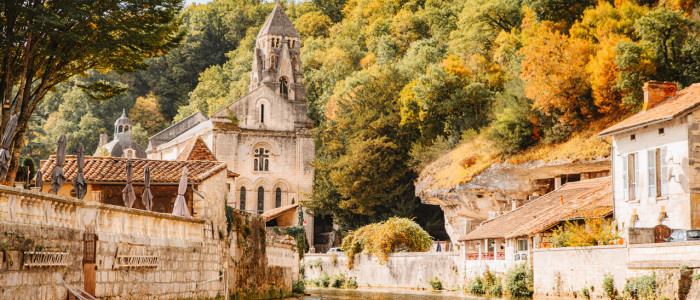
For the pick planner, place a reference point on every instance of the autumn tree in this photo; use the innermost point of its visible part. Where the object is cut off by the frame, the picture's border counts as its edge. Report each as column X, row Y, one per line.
column 146, row 113
column 554, row 72
column 45, row 42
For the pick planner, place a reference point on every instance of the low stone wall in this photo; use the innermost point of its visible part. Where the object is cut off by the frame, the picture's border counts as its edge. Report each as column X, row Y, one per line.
column 138, row 254
column 563, row 271
column 402, row 270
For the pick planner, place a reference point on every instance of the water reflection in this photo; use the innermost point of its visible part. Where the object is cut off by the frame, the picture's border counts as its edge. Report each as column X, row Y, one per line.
column 344, row 294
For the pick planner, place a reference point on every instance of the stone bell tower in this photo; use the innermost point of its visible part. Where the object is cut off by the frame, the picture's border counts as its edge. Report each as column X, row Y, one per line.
column 276, row 62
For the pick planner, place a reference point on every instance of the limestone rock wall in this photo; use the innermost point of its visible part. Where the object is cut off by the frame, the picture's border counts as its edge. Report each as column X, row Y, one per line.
column 467, row 204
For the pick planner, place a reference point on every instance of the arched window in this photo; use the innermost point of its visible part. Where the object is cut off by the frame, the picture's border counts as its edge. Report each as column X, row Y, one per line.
column 278, row 197
column 262, row 113
column 261, row 200
column 261, row 160
column 242, row 198
column 283, row 86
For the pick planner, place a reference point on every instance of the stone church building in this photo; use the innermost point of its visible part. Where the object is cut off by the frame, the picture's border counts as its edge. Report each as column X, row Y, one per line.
column 263, row 136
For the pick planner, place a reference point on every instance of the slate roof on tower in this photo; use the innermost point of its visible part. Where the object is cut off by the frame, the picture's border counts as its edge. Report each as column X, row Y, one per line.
column 278, row 24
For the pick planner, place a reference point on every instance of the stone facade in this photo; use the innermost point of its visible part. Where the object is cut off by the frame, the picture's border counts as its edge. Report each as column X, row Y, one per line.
column 263, row 136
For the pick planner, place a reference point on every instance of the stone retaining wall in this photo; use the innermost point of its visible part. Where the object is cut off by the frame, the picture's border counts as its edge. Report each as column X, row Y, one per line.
column 402, row 270
column 139, row 254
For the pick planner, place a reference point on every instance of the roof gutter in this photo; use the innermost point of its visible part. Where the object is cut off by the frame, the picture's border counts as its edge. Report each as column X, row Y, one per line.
column 636, row 127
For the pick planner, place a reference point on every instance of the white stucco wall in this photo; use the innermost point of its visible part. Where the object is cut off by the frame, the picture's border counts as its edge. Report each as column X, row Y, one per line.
column 648, row 209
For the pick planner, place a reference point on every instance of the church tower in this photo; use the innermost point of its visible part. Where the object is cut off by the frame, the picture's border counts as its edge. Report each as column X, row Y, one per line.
column 276, row 62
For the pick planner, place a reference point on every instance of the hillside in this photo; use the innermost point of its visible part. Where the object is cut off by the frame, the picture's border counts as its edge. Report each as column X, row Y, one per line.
column 392, row 85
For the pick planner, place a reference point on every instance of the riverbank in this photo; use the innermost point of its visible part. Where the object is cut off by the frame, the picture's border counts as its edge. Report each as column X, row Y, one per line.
column 396, row 294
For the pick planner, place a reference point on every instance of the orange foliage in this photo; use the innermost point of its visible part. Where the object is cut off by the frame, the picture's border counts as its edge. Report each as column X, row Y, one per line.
column 554, row 69
column 603, row 73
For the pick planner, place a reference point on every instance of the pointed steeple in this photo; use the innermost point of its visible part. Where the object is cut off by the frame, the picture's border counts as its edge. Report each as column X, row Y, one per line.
column 278, row 24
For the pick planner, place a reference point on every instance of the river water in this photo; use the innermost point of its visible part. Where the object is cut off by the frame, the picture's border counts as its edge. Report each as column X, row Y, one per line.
column 384, row 294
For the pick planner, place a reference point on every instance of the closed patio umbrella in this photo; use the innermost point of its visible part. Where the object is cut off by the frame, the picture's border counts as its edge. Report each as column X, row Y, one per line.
column 180, row 207
column 147, row 197
column 57, row 176
column 79, row 184
column 128, row 192
column 39, row 180
column 6, row 143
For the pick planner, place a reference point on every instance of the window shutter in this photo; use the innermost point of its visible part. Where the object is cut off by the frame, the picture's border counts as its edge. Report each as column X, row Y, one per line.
column 651, row 164
column 625, row 178
column 664, row 172
column 637, row 172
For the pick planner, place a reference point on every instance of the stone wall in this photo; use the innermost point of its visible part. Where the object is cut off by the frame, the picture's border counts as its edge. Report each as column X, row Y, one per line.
column 20, row 282
column 563, row 271
column 402, row 270
column 138, row 254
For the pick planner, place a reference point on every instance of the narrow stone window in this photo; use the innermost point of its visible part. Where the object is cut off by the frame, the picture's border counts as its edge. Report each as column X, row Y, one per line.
column 278, row 197
column 283, row 87
column 262, row 113
column 242, row 198
column 661, row 131
column 633, row 137
column 261, row 200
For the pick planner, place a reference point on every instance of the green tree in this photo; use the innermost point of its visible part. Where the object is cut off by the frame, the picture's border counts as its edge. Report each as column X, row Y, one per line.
column 45, row 42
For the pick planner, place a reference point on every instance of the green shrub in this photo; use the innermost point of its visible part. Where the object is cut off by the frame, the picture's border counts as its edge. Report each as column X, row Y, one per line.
column 476, row 286
column 496, row 289
column 642, row 287
column 585, row 293
column 519, row 281
column 324, row 281
column 436, row 284
column 299, row 287
column 609, row 286
column 695, row 276
column 351, row 283
column 337, row 280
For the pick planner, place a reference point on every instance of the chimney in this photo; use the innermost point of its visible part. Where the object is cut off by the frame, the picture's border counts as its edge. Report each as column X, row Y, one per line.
column 656, row 92
column 103, row 140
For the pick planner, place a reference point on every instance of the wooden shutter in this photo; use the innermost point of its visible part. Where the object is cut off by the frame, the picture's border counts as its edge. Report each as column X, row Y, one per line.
column 651, row 166
column 625, row 178
column 637, row 188
column 664, row 171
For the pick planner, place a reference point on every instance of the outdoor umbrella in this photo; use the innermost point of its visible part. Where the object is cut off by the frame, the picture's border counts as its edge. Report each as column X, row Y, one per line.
column 147, row 197
column 128, row 191
column 79, row 184
column 57, row 176
column 39, row 180
column 6, row 142
column 180, row 207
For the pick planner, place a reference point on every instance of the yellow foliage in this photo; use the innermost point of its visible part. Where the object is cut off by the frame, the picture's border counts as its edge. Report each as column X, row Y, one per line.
column 386, row 237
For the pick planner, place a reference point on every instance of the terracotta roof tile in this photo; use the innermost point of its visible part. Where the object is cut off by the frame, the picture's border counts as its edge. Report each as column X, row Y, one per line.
column 274, row 213
column 196, row 149
column 546, row 211
column 684, row 101
column 112, row 169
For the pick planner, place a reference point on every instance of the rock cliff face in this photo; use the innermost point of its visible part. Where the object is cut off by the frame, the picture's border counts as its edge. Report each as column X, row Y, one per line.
column 498, row 188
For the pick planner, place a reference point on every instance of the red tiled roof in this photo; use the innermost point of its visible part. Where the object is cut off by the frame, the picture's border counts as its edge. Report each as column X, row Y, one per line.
column 547, row 211
column 274, row 213
column 113, row 169
column 196, row 150
column 684, row 101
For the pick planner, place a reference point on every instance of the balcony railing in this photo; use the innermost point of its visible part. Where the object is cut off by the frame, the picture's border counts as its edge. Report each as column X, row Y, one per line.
column 487, row 256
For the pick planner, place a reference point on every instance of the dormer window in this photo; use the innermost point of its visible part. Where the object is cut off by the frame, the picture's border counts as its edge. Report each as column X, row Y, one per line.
column 261, row 161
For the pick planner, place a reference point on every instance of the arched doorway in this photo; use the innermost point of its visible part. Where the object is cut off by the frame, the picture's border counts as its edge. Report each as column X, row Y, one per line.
column 661, row 232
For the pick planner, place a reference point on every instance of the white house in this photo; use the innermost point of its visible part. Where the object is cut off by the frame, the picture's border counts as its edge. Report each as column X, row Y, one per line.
column 656, row 182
